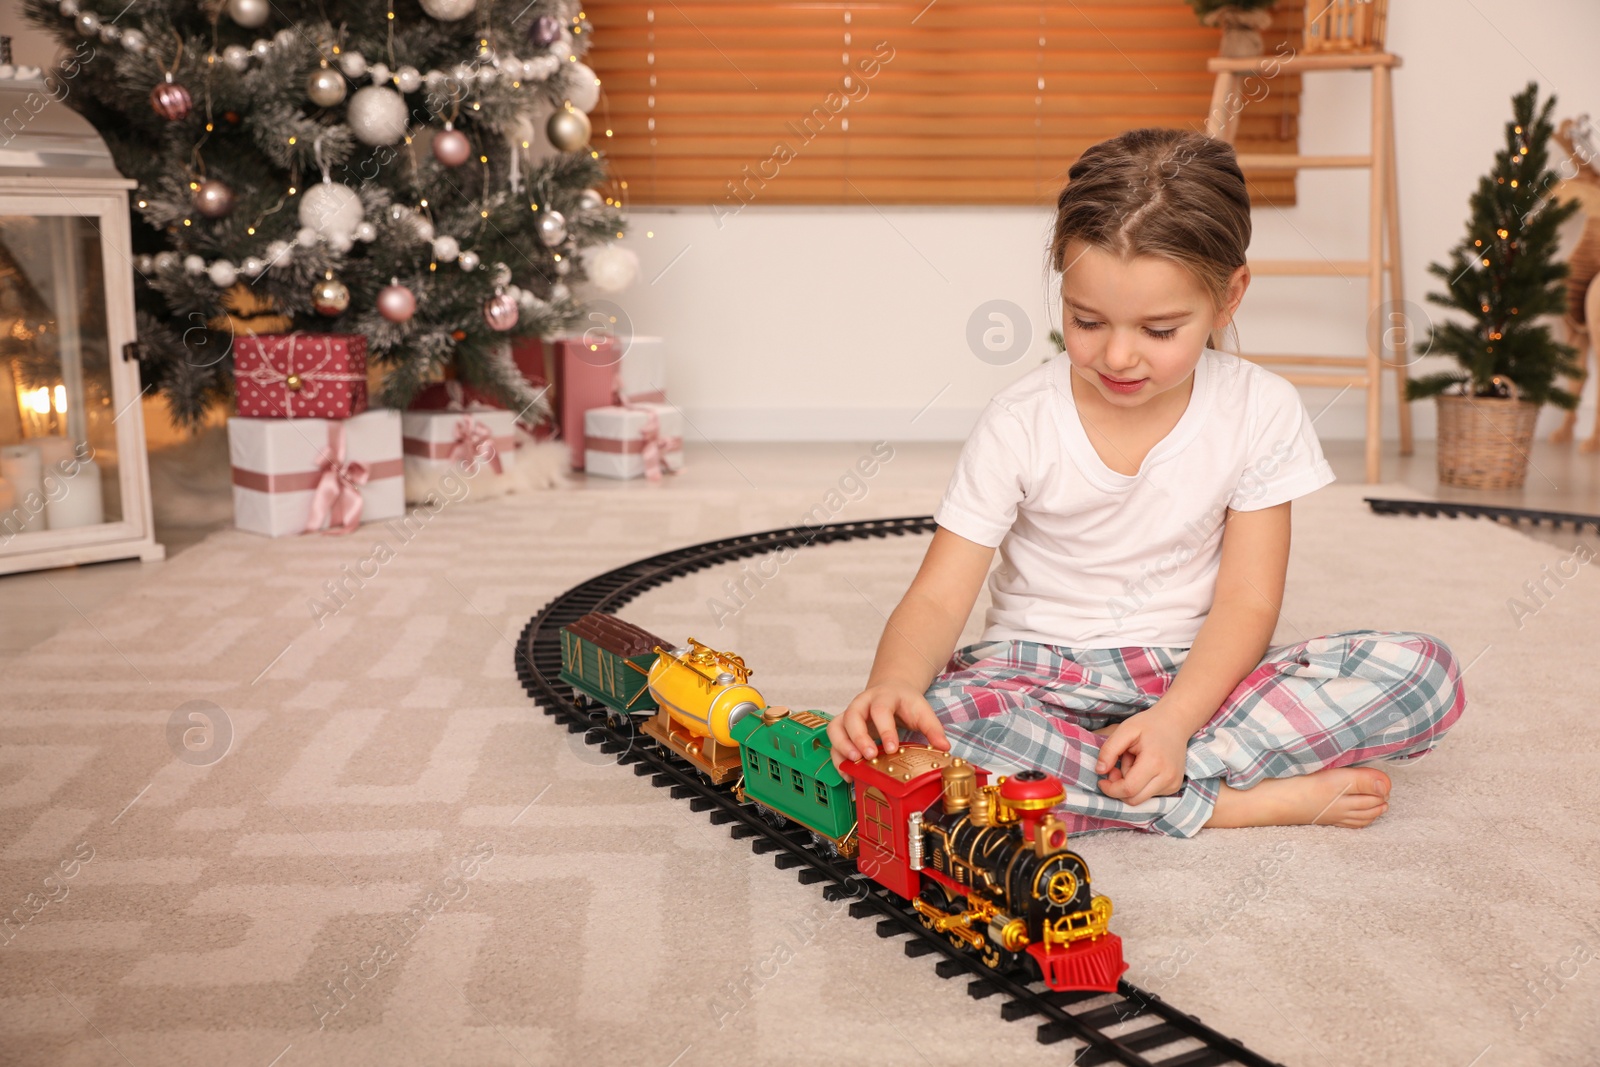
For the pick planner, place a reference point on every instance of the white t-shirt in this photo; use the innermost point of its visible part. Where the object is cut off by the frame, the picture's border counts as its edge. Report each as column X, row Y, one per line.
column 1090, row 558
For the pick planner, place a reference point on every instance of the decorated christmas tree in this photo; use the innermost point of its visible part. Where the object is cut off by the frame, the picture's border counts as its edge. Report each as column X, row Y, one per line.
column 417, row 173
column 1503, row 275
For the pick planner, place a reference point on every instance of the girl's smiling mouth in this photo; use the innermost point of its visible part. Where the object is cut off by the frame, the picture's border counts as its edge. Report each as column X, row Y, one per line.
column 1122, row 385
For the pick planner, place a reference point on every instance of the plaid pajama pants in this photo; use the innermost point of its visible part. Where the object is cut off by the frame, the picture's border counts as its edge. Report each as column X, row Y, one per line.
column 1333, row 701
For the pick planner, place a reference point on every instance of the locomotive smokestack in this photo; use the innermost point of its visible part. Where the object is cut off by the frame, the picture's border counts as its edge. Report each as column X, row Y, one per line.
column 959, row 783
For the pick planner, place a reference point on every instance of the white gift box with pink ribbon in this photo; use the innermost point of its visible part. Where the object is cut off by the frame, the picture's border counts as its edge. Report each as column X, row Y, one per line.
column 474, row 440
column 294, row 476
column 633, row 441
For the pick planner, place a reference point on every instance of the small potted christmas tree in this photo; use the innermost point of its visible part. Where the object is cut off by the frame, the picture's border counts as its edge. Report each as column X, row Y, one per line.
column 1241, row 20
column 1502, row 276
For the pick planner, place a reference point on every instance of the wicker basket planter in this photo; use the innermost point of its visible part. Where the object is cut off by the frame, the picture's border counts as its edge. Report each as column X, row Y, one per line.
column 1484, row 441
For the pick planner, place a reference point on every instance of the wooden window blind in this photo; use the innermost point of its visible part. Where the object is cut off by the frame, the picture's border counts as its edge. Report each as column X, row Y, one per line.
column 722, row 104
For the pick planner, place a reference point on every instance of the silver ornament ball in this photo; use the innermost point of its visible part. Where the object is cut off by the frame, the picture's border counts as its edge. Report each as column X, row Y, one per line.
column 468, row 261
column 330, row 297
column 194, row 265
column 568, row 130
column 377, row 116
column 589, row 200
column 552, row 228
column 249, row 13
column 134, row 41
column 253, row 266
column 353, row 64
column 446, row 248
column 236, row 56
column 223, row 274
column 449, row 10
column 214, row 199
column 325, row 87
column 408, row 79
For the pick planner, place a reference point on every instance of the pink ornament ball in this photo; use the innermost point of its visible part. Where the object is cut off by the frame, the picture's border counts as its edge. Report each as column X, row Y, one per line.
column 171, row 101
column 396, row 303
column 500, row 311
column 451, row 147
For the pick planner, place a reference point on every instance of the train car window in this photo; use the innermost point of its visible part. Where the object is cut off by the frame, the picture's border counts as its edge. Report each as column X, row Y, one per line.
column 822, row 793
column 755, row 762
column 799, row 782
column 776, row 771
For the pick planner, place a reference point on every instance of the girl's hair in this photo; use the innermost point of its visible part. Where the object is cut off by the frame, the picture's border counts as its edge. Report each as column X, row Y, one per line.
column 1159, row 192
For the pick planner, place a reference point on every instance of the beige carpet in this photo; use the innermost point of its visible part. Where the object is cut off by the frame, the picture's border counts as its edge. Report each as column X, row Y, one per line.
column 393, row 815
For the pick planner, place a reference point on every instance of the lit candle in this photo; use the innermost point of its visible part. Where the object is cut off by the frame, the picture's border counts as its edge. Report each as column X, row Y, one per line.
column 74, row 500
column 20, row 466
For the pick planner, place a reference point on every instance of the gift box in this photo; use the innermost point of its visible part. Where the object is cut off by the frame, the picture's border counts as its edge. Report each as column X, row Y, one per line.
column 434, row 441
column 300, row 375
column 586, row 377
column 638, row 440
column 532, row 361
column 301, row 475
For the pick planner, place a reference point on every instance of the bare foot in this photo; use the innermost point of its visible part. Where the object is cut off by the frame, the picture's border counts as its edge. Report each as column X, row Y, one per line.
column 1339, row 796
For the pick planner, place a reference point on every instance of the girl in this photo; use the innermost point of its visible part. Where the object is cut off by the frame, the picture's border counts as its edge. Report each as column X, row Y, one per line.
column 1138, row 488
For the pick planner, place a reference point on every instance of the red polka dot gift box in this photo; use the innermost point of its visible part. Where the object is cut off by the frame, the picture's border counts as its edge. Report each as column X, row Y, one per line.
column 300, row 375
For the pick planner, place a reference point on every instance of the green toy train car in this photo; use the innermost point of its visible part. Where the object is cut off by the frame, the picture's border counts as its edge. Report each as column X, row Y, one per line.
column 788, row 769
column 610, row 660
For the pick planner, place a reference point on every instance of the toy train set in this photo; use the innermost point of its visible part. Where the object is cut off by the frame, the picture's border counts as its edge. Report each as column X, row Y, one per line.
column 984, row 863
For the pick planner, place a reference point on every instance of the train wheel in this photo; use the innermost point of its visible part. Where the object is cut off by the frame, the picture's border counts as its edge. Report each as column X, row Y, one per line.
column 991, row 956
column 933, row 894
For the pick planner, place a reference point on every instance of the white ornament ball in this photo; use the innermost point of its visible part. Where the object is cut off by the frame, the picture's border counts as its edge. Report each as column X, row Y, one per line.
column 249, row 13
column 377, row 116
column 408, row 79
column 330, row 208
column 236, row 56
column 468, row 261
column 611, row 268
column 307, row 237
column 559, row 292
column 380, row 73
column 284, row 37
column 487, row 75
column 449, row 10
column 68, row 8
column 135, row 41
column 194, row 265
column 278, row 253
column 446, row 248
column 165, row 261
column 552, row 228
column 253, row 266
column 589, row 200
column 223, row 274
column 583, row 87
column 260, row 47
column 353, row 63
column 510, row 66
column 366, row 232
column 339, row 242
column 144, row 264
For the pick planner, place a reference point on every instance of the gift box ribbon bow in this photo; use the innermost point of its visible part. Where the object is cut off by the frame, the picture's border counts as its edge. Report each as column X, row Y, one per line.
column 337, row 497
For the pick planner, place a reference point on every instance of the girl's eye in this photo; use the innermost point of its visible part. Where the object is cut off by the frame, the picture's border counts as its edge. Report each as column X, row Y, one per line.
column 1159, row 335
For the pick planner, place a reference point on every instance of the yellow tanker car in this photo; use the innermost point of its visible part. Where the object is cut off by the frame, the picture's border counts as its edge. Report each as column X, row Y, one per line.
column 700, row 693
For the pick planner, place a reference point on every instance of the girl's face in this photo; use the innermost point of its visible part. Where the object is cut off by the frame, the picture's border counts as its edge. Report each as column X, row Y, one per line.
column 1136, row 328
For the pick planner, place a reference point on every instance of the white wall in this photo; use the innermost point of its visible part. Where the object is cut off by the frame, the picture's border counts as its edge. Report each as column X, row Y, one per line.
column 846, row 322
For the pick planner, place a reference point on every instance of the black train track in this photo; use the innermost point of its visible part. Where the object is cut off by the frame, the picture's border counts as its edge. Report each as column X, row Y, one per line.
column 1454, row 510
column 1082, row 1015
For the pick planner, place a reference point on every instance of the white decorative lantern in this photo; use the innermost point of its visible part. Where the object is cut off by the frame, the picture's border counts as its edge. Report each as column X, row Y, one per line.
column 74, row 485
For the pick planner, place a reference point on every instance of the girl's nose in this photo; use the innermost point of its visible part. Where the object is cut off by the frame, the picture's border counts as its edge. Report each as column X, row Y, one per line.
column 1120, row 354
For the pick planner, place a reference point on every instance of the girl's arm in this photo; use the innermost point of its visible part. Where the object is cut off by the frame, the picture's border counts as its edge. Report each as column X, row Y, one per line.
column 1244, row 611
column 917, row 642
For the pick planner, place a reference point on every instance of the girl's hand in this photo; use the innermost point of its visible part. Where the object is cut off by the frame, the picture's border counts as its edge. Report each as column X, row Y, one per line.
column 1159, row 749
column 880, row 706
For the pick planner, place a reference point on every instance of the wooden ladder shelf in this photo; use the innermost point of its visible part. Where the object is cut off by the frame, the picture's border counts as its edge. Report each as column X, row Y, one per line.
column 1386, row 329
